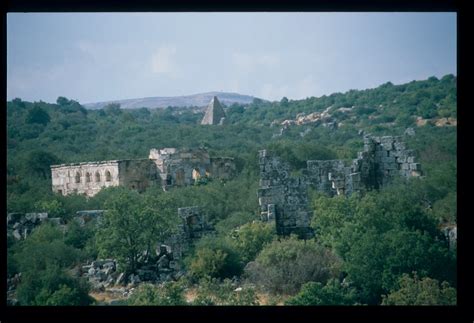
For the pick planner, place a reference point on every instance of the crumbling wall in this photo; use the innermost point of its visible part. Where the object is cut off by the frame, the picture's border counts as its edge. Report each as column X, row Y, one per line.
column 167, row 167
column 382, row 159
column 193, row 227
column 137, row 174
column 284, row 199
column 182, row 167
column 84, row 178
column 223, row 167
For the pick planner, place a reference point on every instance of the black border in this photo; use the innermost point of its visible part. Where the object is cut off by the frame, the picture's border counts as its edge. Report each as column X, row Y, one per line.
column 312, row 314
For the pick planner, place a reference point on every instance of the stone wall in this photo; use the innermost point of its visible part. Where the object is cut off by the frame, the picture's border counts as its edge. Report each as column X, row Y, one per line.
column 193, row 227
column 284, row 199
column 382, row 159
column 137, row 174
column 183, row 167
column 167, row 167
column 84, row 178
column 180, row 167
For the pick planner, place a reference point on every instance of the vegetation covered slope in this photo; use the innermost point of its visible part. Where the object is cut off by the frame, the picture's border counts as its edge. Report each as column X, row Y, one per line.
column 406, row 217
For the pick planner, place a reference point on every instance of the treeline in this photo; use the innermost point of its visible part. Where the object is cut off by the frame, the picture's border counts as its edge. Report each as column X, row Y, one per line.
column 386, row 247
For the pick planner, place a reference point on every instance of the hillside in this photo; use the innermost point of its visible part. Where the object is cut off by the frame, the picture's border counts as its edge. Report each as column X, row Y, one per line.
column 377, row 248
column 195, row 100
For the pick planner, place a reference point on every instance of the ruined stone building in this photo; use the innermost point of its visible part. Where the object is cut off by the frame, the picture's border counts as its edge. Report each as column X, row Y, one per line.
column 283, row 199
column 215, row 114
column 167, row 167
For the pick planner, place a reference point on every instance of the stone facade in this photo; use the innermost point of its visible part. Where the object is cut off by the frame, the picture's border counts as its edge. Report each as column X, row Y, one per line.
column 90, row 177
column 184, row 167
column 167, row 167
column 284, row 199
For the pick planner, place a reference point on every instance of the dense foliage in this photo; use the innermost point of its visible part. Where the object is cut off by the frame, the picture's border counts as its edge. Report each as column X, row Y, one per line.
column 365, row 246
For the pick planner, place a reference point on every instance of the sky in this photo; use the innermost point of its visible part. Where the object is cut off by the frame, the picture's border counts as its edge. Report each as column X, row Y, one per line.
column 93, row 57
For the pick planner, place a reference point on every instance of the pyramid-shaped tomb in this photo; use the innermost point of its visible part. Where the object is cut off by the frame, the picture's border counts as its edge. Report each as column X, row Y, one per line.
column 214, row 113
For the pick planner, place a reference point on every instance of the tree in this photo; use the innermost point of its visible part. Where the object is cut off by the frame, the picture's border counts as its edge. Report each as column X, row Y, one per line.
column 43, row 259
column 39, row 162
column 333, row 293
column 284, row 266
column 113, row 109
column 131, row 225
column 375, row 261
column 424, row 291
column 37, row 115
column 52, row 286
column 250, row 238
column 215, row 257
column 62, row 101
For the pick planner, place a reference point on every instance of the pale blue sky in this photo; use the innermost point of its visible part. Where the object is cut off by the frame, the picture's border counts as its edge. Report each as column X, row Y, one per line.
column 93, row 57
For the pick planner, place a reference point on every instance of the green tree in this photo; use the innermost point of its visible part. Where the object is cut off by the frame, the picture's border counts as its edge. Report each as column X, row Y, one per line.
column 43, row 260
column 38, row 162
column 284, row 266
column 333, row 293
column 38, row 115
column 250, row 238
column 215, row 257
column 424, row 291
column 131, row 225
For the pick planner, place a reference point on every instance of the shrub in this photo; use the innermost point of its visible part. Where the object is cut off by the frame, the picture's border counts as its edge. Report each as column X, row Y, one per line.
column 333, row 293
column 214, row 292
column 284, row 266
column 425, row 291
column 169, row 294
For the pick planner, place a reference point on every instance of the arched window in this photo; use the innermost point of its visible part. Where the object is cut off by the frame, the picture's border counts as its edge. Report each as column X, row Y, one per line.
column 108, row 177
column 88, row 177
column 97, row 177
column 78, row 177
column 196, row 174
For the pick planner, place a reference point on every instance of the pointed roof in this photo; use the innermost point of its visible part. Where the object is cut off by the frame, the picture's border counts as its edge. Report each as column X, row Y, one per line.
column 214, row 112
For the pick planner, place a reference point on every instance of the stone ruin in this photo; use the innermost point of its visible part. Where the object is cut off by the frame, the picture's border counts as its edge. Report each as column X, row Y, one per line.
column 153, row 268
column 182, row 167
column 193, row 227
column 20, row 225
column 167, row 167
column 284, row 199
column 161, row 266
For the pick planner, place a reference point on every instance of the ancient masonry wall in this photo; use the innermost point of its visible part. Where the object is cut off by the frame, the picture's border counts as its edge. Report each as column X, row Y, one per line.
column 284, row 199
column 84, row 178
column 183, row 167
column 167, row 167
column 137, row 174
column 192, row 228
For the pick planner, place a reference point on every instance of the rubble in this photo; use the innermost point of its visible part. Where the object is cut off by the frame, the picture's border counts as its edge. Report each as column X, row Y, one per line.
column 20, row 225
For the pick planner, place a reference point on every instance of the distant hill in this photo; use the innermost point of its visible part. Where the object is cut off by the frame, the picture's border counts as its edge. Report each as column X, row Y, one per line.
column 199, row 100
